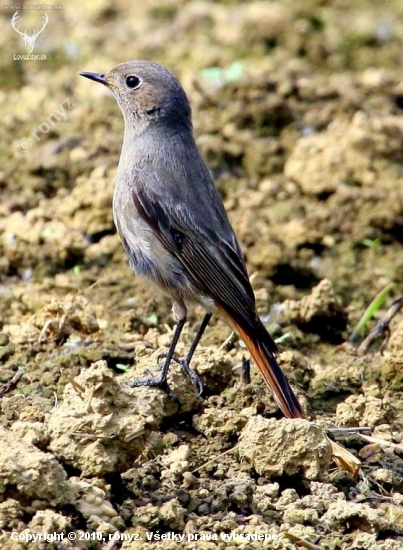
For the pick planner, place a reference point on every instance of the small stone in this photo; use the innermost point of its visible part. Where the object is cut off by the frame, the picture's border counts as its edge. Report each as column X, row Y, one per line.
column 189, row 480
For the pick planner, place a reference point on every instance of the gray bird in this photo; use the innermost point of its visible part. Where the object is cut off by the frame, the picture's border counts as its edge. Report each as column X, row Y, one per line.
column 172, row 222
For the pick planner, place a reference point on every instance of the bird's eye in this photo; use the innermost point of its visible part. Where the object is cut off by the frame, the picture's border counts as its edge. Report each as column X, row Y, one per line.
column 133, row 81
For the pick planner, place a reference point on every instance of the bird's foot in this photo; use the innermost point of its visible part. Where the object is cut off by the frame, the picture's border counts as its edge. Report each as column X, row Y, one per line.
column 190, row 373
column 156, row 382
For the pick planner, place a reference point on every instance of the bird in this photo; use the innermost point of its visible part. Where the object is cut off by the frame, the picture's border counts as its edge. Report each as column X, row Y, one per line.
column 173, row 225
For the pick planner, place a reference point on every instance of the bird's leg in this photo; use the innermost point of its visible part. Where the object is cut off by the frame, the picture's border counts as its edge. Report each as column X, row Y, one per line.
column 161, row 381
column 185, row 363
column 197, row 338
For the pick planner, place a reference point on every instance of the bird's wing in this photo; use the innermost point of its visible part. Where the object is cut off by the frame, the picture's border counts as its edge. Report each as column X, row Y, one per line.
column 209, row 251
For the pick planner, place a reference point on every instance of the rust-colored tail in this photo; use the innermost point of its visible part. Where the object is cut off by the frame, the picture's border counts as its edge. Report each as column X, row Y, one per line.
column 261, row 346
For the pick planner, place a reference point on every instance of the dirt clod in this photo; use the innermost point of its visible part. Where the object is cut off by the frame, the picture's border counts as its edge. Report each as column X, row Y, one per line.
column 285, row 447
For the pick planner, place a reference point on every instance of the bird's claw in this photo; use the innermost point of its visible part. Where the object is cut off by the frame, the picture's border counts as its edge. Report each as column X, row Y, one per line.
column 190, row 373
column 153, row 382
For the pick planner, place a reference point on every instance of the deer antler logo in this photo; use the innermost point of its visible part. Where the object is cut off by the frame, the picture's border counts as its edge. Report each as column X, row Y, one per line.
column 29, row 41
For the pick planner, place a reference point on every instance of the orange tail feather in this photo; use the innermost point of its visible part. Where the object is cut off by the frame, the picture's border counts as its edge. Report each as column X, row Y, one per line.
column 261, row 350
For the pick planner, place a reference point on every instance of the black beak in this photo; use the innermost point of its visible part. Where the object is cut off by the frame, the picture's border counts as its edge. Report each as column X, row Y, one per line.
column 96, row 76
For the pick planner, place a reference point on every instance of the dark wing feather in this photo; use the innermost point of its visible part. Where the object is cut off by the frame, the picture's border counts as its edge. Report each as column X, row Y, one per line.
column 214, row 265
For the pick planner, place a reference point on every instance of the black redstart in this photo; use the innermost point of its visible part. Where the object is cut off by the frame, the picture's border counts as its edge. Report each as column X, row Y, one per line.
column 173, row 225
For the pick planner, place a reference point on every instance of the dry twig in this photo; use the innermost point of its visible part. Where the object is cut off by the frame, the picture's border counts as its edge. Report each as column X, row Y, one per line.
column 382, row 327
column 11, row 384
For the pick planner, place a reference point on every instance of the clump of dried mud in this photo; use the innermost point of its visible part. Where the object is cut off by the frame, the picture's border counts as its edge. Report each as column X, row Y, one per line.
column 298, row 112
